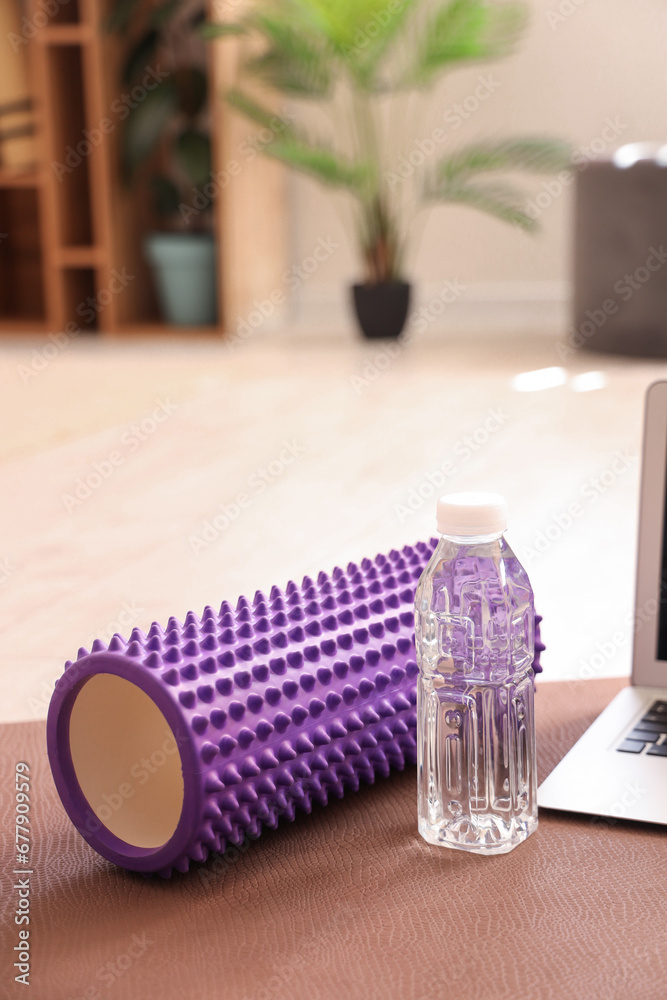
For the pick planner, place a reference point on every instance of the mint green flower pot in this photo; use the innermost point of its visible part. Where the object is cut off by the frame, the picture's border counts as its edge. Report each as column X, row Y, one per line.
column 185, row 276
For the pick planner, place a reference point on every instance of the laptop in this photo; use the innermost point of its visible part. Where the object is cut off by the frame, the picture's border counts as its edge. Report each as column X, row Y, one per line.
column 619, row 766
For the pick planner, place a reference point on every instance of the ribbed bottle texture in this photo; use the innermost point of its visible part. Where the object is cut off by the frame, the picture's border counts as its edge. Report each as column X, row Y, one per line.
column 475, row 633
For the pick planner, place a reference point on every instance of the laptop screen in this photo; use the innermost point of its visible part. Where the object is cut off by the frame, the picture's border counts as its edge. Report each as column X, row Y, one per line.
column 662, row 596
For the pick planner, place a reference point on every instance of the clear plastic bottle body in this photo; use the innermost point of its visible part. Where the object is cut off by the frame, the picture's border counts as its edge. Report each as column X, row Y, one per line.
column 474, row 629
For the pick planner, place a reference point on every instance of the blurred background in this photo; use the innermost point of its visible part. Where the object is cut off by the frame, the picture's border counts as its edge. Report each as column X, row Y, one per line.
column 273, row 276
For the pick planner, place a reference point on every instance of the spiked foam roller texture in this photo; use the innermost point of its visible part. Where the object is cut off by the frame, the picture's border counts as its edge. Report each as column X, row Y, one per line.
column 276, row 704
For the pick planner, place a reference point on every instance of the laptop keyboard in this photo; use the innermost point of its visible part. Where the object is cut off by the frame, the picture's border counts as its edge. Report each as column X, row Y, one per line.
column 650, row 734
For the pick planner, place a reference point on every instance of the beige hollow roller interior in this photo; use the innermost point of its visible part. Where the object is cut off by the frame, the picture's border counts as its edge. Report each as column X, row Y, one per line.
column 126, row 760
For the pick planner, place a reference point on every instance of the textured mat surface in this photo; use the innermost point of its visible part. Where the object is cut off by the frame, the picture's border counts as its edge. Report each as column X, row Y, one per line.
column 347, row 902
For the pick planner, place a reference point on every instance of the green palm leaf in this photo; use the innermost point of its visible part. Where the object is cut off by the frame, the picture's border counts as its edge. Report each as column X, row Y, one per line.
column 466, row 30
column 219, row 29
column 296, row 62
column 345, row 23
column 498, row 199
column 532, row 153
column 319, row 162
column 251, row 109
column 455, row 178
column 373, row 47
column 298, row 151
column 361, row 32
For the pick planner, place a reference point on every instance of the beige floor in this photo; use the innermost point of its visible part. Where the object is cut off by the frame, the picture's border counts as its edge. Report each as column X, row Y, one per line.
column 310, row 449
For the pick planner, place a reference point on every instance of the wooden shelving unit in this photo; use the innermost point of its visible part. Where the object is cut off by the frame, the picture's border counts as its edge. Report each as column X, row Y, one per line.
column 71, row 225
column 58, row 252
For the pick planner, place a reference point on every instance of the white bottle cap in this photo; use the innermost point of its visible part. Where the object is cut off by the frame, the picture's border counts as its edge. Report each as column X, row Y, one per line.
column 466, row 514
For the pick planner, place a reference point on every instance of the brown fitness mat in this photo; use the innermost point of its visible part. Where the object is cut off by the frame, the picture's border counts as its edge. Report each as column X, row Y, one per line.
column 348, row 903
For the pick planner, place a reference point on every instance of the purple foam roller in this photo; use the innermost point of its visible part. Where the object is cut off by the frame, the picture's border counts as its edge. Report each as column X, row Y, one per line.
column 170, row 745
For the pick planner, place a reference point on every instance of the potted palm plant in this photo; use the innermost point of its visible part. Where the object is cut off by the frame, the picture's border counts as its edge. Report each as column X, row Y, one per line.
column 165, row 148
column 369, row 62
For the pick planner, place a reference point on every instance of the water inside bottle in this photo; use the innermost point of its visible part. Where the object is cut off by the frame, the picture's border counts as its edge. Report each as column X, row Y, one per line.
column 474, row 623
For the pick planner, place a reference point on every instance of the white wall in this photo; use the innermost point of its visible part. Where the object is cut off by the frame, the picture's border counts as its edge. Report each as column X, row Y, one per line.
column 582, row 65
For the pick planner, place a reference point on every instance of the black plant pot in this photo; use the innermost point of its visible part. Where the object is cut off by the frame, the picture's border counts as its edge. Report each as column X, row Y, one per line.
column 382, row 309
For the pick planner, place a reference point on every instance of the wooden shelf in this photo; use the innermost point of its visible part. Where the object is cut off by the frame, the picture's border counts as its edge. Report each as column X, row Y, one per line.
column 167, row 330
column 21, row 256
column 22, row 326
column 29, row 178
column 73, row 227
column 81, row 256
column 65, row 34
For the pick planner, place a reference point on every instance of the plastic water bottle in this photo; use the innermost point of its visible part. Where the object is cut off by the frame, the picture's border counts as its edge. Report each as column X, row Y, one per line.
column 475, row 642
